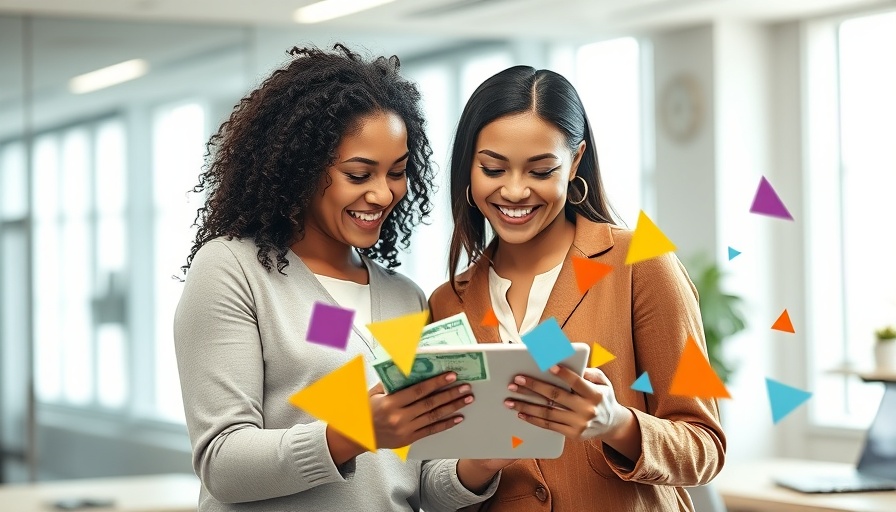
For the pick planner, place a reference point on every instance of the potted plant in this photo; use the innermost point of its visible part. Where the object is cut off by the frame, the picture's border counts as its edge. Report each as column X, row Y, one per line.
column 721, row 312
column 885, row 349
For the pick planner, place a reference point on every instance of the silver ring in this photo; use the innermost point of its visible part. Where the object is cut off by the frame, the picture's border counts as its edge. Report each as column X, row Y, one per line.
column 550, row 403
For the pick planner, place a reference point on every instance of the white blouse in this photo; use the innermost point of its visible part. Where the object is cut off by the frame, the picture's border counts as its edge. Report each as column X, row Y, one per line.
column 538, row 299
column 351, row 295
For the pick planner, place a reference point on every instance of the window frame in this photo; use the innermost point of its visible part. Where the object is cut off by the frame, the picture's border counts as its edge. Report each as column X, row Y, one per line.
column 823, row 156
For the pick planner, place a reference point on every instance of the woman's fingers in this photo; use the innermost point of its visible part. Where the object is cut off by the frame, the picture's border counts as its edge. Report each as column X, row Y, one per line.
column 435, row 407
column 596, row 376
column 577, row 383
column 435, row 428
column 422, row 389
column 550, row 418
column 553, row 394
column 400, row 424
column 377, row 390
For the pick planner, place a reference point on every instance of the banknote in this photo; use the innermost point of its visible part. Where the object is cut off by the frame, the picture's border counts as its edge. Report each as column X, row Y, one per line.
column 468, row 366
column 454, row 330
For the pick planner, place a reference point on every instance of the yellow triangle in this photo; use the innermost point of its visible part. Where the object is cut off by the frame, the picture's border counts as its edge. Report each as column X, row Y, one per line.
column 402, row 452
column 599, row 356
column 647, row 241
column 339, row 399
column 400, row 337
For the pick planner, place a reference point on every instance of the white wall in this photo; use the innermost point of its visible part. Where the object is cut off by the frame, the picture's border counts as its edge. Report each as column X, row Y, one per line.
column 755, row 84
column 685, row 172
column 742, row 78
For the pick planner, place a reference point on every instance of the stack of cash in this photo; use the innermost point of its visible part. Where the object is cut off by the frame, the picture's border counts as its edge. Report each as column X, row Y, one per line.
column 454, row 330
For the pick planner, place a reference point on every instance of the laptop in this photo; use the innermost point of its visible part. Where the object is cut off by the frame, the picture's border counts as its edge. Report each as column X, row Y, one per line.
column 876, row 470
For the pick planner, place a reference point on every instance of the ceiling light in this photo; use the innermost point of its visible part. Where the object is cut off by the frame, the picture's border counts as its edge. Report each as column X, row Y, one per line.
column 108, row 76
column 329, row 9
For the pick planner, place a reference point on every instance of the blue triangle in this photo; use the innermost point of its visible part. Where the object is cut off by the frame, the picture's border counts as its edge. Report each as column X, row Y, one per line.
column 784, row 398
column 643, row 384
column 732, row 253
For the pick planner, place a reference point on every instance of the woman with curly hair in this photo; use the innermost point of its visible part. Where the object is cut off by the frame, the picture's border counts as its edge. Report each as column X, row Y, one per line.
column 319, row 173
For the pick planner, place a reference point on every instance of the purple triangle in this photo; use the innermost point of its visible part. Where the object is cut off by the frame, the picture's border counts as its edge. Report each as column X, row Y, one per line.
column 768, row 203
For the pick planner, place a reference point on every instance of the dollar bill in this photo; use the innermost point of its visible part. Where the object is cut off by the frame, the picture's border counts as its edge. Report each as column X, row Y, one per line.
column 469, row 366
column 454, row 330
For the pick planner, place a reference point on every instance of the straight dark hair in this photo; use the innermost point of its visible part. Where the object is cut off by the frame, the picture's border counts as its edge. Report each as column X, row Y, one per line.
column 517, row 90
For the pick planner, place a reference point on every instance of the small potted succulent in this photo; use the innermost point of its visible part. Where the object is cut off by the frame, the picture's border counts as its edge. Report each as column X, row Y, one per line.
column 885, row 349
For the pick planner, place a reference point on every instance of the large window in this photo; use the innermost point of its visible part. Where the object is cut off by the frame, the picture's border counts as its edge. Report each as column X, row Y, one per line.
column 89, row 353
column 79, row 262
column 179, row 135
column 851, row 242
column 608, row 80
column 427, row 261
column 14, row 308
column 478, row 69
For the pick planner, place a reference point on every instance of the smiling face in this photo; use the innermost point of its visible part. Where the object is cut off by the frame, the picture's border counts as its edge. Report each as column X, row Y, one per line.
column 367, row 181
column 521, row 169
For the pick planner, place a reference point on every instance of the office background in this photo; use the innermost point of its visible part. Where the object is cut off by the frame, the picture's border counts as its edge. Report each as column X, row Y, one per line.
column 693, row 101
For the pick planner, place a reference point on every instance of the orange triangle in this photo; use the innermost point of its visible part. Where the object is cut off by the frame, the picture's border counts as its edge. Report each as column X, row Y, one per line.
column 490, row 319
column 695, row 377
column 783, row 323
column 589, row 272
column 515, row 441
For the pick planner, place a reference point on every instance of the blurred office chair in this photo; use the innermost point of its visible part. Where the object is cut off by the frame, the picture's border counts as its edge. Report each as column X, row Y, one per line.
column 706, row 499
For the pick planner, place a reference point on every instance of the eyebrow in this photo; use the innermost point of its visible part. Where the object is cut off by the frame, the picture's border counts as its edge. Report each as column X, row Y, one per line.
column 368, row 161
column 535, row 158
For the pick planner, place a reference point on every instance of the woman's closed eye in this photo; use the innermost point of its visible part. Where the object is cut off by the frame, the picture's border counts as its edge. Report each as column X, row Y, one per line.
column 398, row 174
column 490, row 171
column 544, row 174
column 540, row 174
column 357, row 177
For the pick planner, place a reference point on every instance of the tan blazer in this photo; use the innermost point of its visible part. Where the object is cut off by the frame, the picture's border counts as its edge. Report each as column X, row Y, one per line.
column 643, row 314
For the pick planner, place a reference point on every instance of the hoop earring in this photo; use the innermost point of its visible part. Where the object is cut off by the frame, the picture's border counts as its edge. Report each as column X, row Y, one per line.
column 467, row 195
column 584, row 194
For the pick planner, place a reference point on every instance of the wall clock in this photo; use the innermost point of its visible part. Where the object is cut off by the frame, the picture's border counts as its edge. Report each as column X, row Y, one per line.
column 681, row 107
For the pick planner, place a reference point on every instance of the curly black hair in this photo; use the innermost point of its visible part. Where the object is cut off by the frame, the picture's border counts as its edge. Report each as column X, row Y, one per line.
column 264, row 163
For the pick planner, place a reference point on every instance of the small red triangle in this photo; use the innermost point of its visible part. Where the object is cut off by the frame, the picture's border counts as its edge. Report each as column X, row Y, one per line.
column 783, row 323
column 589, row 272
column 515, row 441
column 490, row 320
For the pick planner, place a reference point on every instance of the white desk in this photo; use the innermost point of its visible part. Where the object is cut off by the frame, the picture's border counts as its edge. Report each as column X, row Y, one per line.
column 749, row 487
column 157, row 493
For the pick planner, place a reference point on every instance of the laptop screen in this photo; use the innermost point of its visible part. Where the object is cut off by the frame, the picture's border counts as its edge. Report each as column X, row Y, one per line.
column 879, row 453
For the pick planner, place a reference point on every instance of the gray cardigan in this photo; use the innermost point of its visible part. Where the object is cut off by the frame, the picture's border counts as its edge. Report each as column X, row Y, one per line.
column 239, row 333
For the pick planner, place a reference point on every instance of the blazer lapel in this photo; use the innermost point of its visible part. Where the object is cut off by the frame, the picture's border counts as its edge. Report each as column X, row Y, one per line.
column 565, row 295
column 477, row 298
column 590, row 239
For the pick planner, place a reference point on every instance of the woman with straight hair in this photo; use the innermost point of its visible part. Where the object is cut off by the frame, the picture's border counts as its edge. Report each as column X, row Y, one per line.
column 524, row 162
column 313, row 183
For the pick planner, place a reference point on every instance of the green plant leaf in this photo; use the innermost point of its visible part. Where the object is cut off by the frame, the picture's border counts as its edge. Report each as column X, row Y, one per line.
column 721, row 312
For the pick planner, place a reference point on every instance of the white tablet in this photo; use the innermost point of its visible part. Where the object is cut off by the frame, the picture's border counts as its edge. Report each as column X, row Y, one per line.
column 489, row 427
